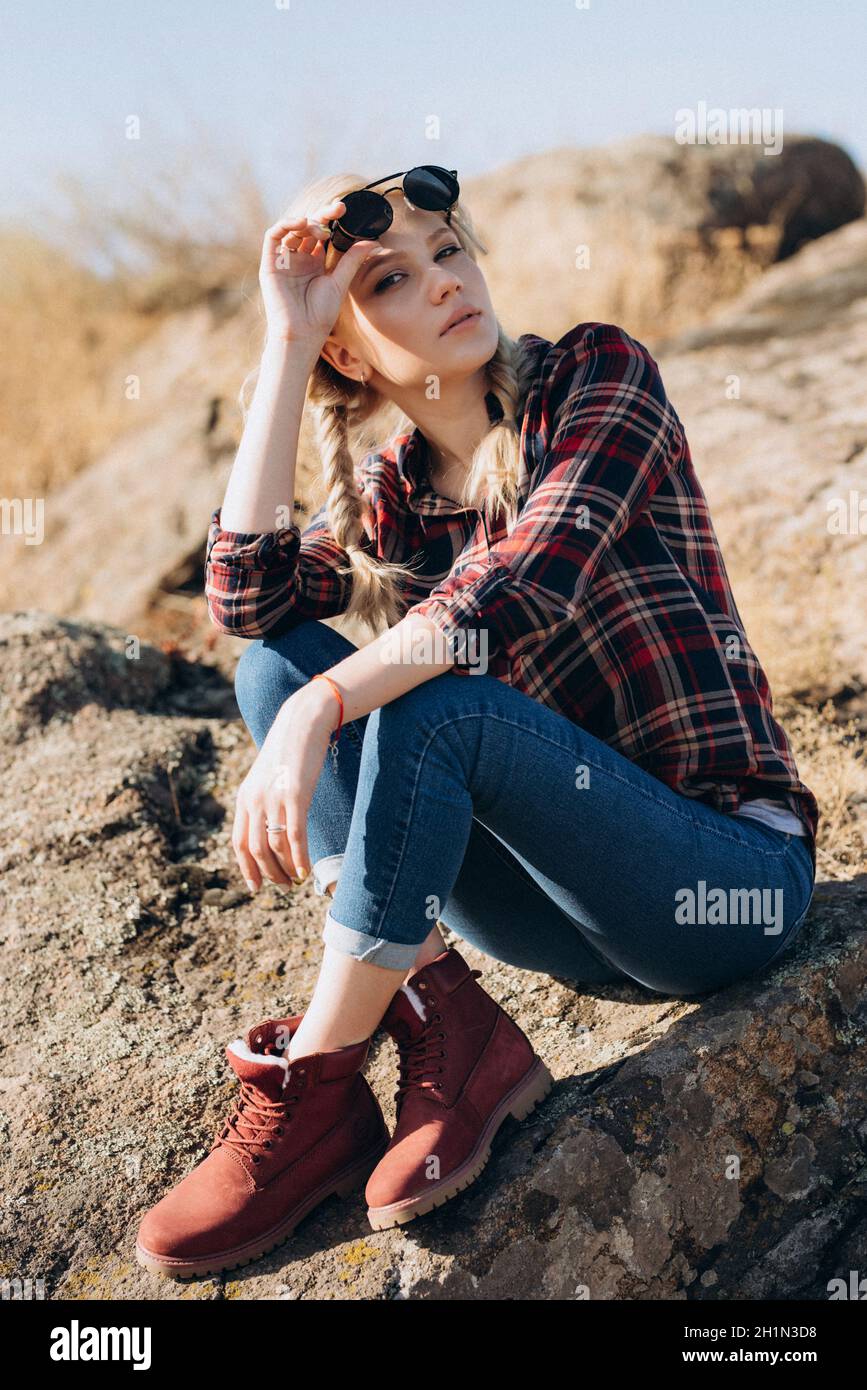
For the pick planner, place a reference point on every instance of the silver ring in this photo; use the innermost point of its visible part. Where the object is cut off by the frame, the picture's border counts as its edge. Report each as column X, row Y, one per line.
column 269, row 828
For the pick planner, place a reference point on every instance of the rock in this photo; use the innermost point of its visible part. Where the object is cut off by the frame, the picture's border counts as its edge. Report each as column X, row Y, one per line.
column 676, row 1157
column 810, row 188
column 52, row 668
column 651, row 233
column 679, row 1158
column 133, row 519
column 773, row 398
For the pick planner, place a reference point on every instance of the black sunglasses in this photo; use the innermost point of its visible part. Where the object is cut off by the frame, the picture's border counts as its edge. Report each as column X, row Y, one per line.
column 368, row 214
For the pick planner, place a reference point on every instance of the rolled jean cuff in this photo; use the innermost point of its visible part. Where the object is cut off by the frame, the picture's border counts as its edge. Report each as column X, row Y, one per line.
column 394, row 955
column 325, row 871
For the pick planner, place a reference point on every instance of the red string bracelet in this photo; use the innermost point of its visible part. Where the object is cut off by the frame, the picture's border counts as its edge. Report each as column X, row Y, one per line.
column 320, row 676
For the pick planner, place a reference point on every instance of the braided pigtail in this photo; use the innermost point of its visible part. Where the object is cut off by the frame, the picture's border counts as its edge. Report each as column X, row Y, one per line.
column 338, row 414
column 495, row 470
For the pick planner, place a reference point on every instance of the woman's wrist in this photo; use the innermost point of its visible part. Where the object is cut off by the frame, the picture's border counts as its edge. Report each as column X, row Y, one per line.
column 291, row 352
column 316, row 704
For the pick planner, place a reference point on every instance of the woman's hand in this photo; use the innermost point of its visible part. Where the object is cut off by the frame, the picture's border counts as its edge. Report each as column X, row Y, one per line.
column 279, row 787
column 303, row 300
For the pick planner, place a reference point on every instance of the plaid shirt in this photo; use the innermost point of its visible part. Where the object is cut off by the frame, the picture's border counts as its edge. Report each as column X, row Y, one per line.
column 608, row 600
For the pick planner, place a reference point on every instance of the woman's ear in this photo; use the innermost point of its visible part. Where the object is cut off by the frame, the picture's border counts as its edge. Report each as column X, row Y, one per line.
column 338, row 356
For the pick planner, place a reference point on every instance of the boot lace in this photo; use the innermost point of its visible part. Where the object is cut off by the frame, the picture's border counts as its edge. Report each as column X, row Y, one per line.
column 417, row 1057
column 258, row 1112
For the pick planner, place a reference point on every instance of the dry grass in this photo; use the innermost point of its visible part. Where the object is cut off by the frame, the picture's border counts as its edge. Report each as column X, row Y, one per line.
column 830, row 758
column 802, row 662
column 60, row 399
column 164, row 258
column 71, row 329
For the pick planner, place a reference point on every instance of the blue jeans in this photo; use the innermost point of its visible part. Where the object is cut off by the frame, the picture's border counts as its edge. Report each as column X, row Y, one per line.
column 465, row 800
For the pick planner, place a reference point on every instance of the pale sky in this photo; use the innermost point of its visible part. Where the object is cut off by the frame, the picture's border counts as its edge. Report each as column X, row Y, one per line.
column 284, row 82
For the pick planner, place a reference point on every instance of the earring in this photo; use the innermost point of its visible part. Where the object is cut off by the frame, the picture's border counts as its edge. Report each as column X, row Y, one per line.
column 363, row 382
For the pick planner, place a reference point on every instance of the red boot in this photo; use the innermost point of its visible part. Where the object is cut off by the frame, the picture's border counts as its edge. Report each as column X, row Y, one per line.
column 464, row 1066
column 299, row 1132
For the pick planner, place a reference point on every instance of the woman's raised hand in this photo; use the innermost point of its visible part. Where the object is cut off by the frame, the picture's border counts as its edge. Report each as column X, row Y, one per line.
column 302, row 299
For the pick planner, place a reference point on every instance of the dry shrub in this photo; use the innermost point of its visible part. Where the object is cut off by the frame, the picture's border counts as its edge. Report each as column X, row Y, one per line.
column 71, row 333
column 793, row 620
column 61, row 395
column 830, row 758
column 188, row 234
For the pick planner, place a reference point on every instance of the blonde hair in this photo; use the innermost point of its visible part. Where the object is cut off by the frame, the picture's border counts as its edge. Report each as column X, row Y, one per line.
column 349, row 417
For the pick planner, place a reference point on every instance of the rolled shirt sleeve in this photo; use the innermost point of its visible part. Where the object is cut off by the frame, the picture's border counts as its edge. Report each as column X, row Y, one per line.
column 614, row 437
column 259, row 585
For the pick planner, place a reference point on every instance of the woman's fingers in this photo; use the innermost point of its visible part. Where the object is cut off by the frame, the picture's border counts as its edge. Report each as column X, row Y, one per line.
column 247, row 864
column 262, row 848
column 306, row 239
column 252, row 845
column 296, row 834
column 284, row 808
column 279, row 841
column 304, row 247
column 310, row 227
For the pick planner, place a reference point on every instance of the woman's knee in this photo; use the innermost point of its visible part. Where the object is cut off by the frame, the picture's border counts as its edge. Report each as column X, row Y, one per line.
column 270, row 669
column 289, row 659
column 262, row 675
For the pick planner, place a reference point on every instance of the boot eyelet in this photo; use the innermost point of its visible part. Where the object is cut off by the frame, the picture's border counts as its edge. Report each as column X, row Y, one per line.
column 279, row 1129
column 266, row 1144
column 256, row 1158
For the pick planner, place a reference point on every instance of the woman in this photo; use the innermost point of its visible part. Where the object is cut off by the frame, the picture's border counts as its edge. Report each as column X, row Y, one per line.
column 609, row 798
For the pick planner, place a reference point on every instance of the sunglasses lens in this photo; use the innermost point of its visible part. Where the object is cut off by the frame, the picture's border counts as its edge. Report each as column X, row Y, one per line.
column 431, row 187
column 367, row 214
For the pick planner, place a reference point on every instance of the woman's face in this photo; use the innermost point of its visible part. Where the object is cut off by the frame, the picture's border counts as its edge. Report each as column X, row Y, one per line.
column 401, row 299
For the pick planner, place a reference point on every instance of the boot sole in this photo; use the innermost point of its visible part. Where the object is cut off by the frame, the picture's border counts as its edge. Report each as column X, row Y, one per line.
column 524, row 1097
column 343, row 1184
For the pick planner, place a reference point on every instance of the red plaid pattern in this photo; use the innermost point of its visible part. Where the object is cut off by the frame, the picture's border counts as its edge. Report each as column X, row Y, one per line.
column 608, row 600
